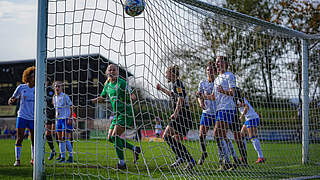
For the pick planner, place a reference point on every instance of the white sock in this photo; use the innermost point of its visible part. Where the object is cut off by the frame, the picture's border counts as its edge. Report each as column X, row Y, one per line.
column 69, row 148
column 121, row 162
column 18, row 152
column 257, row 146
column 62, row 147
column 231, row 149
column 32, row 152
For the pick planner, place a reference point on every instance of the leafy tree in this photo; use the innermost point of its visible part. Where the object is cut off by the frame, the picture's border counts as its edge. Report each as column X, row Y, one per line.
column 302, row 16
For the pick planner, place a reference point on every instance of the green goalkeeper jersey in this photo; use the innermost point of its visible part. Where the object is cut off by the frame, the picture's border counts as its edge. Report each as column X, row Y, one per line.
column 119, row 95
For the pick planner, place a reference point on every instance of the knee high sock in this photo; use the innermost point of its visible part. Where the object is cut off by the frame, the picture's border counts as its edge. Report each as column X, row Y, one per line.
column 203, row 144
column 50, row 142
column 69, row 148
column 169, row 140
column 119, row 144
column 256, row 144
column 62, row 147
column 18, row 151
column 242, row 148
column 32, row 152
column 223, row 148
column 179, row 149
column 232, row 150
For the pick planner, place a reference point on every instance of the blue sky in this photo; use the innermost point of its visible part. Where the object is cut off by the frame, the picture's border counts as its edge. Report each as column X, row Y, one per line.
column 17, row 29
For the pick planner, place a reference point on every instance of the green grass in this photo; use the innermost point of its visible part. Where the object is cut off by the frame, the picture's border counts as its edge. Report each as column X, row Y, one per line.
column 92, row 161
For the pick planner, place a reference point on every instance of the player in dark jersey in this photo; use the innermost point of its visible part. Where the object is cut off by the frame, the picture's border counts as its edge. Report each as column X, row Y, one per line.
column 181, row 120
column 50, row 123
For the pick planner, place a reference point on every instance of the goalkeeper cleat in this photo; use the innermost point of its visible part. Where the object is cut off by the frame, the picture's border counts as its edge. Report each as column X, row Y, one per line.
column 203, row 158
column 17, row 163
column 178, row 162
column 31, row 162
column 260, row 160
column 52, row 154
column 136, row 154
column 70, row 159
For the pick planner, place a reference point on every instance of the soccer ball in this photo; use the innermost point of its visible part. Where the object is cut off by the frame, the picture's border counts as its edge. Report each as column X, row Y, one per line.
column 134, row 7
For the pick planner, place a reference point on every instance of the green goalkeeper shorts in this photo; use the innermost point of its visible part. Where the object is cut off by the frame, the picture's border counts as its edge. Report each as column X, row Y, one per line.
column 123, row 121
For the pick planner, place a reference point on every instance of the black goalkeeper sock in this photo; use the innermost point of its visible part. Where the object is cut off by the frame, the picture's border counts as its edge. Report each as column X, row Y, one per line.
column 50, row 142
column 171, row 142
column 203, row 144
column 242, row 149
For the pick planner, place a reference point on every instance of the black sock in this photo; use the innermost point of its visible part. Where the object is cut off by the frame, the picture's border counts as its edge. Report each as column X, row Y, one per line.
column 50, row 142
column 172, row 145
column 242, row 149
column 203, row 144
column 185, row 153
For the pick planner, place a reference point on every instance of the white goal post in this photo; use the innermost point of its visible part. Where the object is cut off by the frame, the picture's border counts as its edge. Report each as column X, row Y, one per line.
column 275, row 67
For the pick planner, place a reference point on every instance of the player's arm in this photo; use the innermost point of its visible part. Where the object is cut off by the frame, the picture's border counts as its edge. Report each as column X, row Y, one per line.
column 164, row 90
column 12, row 100
column 15, row 96
column 178, row 108
column 200, row 100
column 246, row 109
column 229, row 92
column 211, row 96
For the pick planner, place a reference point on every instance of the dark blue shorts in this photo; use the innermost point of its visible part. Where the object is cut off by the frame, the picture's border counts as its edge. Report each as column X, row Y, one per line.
column 252, row 123
column 207, row 119
column 225, row 116
column 62, row 125
column 23, row 123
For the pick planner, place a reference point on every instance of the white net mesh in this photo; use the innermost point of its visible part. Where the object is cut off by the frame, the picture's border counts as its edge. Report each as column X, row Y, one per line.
column 84, row 37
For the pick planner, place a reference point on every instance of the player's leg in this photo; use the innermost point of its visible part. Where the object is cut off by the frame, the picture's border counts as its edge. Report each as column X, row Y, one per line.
column 220, row 132
column 20, row 128
column 30, row 126
column 60, row 128
column 50, row 139
column 253, row 130
column 205, row 123
column 68, row 136
column 168, row 138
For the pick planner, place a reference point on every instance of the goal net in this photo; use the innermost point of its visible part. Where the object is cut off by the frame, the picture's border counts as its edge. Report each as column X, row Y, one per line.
column 85, row 37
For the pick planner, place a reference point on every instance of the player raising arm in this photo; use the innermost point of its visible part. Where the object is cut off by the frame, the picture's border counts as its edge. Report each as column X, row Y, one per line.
column 25, row 119
column 181, row 120
column 116, row 89
column 251, row 123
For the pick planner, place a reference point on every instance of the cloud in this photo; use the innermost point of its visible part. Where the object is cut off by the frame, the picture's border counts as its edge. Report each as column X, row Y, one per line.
column 17, row 12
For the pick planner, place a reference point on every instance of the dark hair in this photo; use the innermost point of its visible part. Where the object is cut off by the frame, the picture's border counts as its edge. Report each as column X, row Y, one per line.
column 174, row 70
column 26, row 76
column 225, row 59
column 212, row 64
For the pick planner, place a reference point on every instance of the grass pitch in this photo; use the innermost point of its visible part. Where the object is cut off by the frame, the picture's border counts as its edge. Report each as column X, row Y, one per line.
column 95, row 159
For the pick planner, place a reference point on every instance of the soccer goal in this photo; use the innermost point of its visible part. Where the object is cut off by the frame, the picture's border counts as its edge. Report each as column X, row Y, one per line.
column 276, row 68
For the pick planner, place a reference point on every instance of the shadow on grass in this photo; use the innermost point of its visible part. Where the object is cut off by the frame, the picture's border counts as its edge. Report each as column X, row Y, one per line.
column 17, row 172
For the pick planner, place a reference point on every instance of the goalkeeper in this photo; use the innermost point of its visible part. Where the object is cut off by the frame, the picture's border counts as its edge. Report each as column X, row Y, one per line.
column 181, row 119
column 119, row 94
